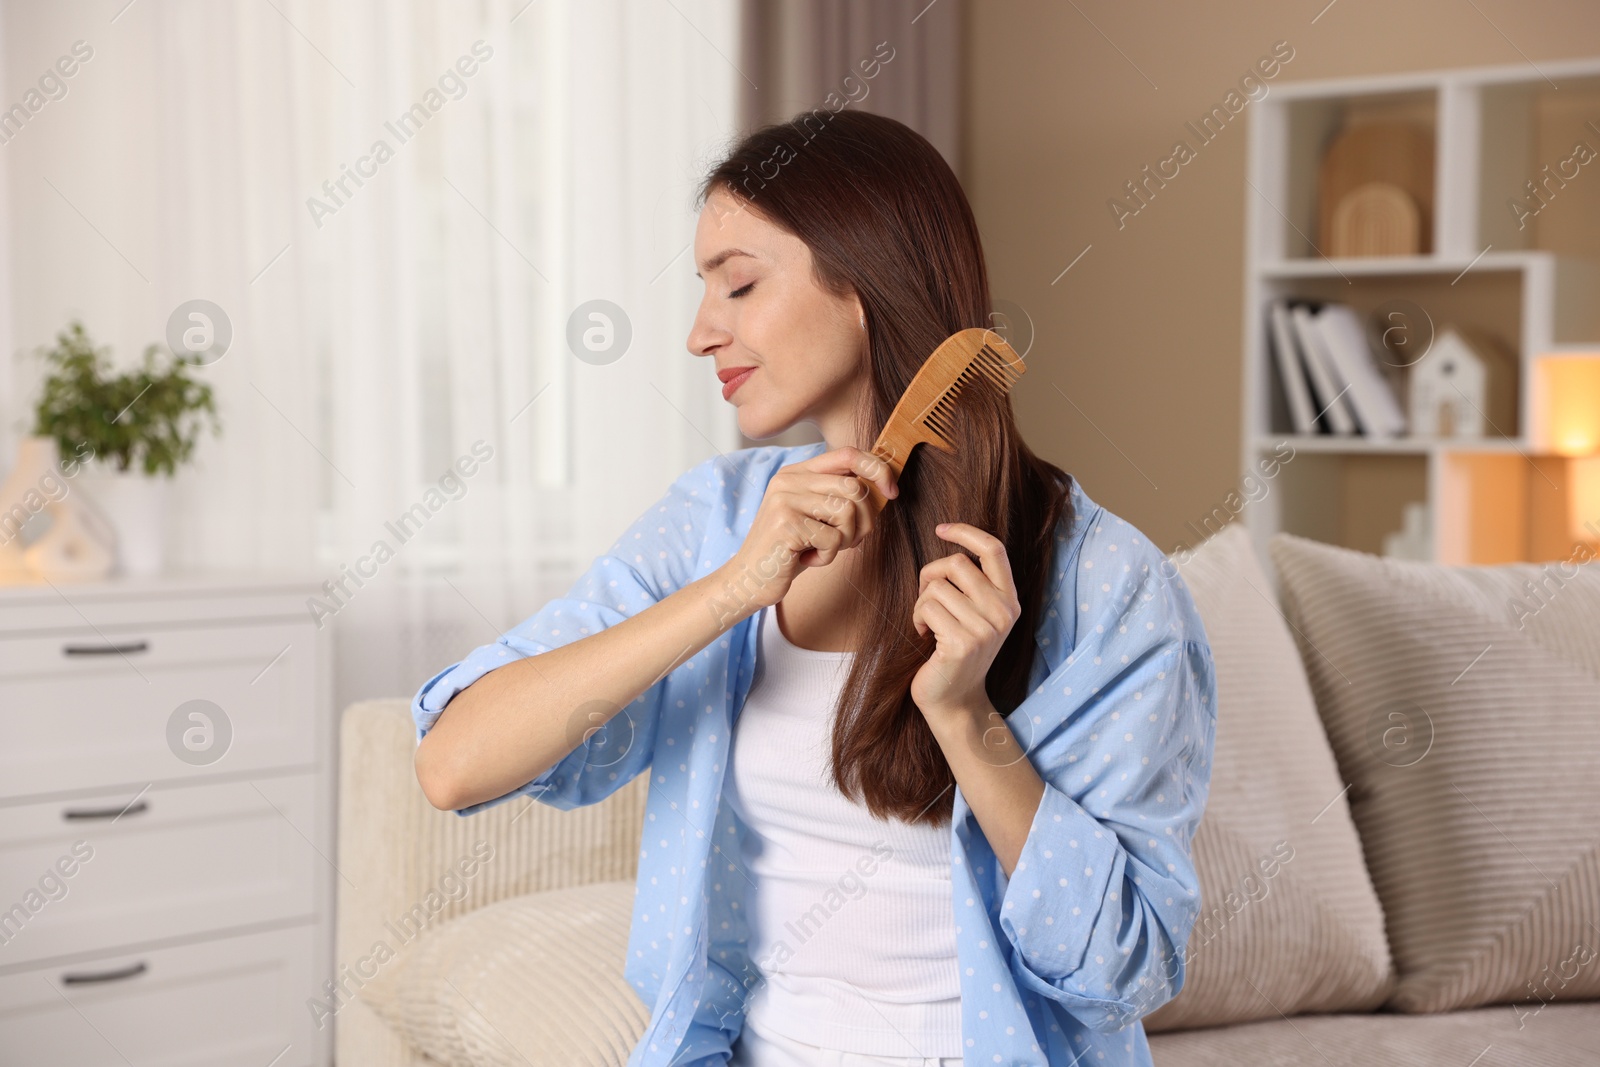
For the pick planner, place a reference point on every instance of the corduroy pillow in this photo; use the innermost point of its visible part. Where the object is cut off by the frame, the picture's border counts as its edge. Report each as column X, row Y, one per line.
column 1463, row 704
column 1289, row 922
column 529, row 979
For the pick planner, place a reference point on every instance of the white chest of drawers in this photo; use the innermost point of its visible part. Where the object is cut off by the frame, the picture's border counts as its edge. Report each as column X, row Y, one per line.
column 166, row 823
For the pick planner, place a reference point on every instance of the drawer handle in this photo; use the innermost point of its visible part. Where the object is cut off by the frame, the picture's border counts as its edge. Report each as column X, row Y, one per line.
column 131, row 971
column 105, row 813
column 107, row 650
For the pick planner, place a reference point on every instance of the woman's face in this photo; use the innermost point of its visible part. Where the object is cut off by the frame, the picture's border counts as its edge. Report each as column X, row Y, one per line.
column 762, row 308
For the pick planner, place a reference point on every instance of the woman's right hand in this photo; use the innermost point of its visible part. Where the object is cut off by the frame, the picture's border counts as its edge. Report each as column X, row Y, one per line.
column 811, row 511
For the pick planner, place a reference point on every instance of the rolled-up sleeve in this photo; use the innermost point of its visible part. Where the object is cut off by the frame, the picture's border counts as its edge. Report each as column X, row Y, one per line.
column 656, row 556
column 1105, row 891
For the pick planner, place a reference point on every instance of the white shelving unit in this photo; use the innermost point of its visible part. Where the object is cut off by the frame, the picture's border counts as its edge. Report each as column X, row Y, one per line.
column 1536, row 288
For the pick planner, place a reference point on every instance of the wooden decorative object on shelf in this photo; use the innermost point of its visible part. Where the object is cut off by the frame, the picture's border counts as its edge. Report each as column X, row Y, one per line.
column 1375, row 219
column 1397, row 154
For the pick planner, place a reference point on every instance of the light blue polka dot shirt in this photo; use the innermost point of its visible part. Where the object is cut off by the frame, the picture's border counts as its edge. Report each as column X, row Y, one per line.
column 1060, row 961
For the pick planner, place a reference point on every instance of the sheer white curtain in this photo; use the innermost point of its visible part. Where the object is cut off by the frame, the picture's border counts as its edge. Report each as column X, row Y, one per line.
column 563, row 174
column 384, row 326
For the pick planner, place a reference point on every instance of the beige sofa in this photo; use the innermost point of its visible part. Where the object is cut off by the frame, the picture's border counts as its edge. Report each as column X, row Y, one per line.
column 1392, row 873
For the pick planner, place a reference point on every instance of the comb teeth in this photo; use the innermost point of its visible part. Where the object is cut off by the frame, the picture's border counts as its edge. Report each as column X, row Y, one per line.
column 941, row 417
column 927, row 410
column 1000, row 370
column 987, row 363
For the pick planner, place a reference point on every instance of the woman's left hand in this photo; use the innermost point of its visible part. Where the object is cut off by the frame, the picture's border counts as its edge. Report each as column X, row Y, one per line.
column 970, row 612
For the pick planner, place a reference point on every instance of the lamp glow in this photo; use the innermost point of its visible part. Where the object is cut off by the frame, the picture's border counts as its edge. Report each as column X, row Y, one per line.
column 1571, row 386
column 1583, row 507
column 1570, row 398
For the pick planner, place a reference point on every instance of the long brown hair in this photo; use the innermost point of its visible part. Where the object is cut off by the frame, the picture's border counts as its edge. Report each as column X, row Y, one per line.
column 886, row 219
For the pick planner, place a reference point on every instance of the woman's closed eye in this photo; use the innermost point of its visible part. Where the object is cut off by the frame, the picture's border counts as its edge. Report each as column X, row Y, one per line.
column 741, row 291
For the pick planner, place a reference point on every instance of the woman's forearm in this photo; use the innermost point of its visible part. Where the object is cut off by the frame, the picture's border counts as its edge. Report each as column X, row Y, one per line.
column 519, row 720
column 996, row 777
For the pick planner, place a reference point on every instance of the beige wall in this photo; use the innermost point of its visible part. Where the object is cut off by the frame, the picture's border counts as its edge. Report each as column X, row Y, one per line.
column 1143, row 335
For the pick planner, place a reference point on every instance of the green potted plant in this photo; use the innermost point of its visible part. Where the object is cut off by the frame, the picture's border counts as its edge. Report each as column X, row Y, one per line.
column 139, row 426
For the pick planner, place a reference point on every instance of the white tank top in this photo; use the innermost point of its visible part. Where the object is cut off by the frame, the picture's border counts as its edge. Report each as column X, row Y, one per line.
column 851, row 922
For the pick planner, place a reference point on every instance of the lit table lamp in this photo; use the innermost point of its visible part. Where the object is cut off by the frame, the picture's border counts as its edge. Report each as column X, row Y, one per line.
column 1572, row 408
column 1584, row 503
column 77, row 544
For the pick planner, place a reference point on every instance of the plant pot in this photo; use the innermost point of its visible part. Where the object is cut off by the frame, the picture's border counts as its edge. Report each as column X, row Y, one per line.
column 135, row 504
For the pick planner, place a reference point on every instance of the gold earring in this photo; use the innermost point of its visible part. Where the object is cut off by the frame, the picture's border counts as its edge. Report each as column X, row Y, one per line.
column 863, row 320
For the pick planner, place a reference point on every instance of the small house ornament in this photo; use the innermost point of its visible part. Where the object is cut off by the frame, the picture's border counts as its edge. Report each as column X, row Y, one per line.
column 1462, row 388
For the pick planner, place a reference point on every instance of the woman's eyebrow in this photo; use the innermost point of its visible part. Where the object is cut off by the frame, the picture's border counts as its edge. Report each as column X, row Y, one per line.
column 720, row 258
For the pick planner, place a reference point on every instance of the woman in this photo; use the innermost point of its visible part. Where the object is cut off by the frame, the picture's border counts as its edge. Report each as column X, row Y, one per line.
column 923, row 781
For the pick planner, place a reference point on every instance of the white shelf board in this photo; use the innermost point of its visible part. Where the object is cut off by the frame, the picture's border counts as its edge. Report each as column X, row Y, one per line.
column 1357, row 445
column 1370, row 266
column 1422, row 81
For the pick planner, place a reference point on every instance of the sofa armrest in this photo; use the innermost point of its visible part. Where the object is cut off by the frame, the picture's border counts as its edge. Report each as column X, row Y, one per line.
column 404, row 866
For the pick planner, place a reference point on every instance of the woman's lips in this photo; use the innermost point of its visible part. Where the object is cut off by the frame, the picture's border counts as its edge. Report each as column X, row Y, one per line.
column 734, row 383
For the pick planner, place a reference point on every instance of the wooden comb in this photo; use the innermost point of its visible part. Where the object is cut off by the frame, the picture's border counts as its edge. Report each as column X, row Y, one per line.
column 926, row 411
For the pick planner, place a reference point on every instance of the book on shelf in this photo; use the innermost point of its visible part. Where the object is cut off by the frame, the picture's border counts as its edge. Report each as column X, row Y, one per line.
column 1376, row 408
column 1325, row 383
column 1285, row 350
column 1330, row 375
